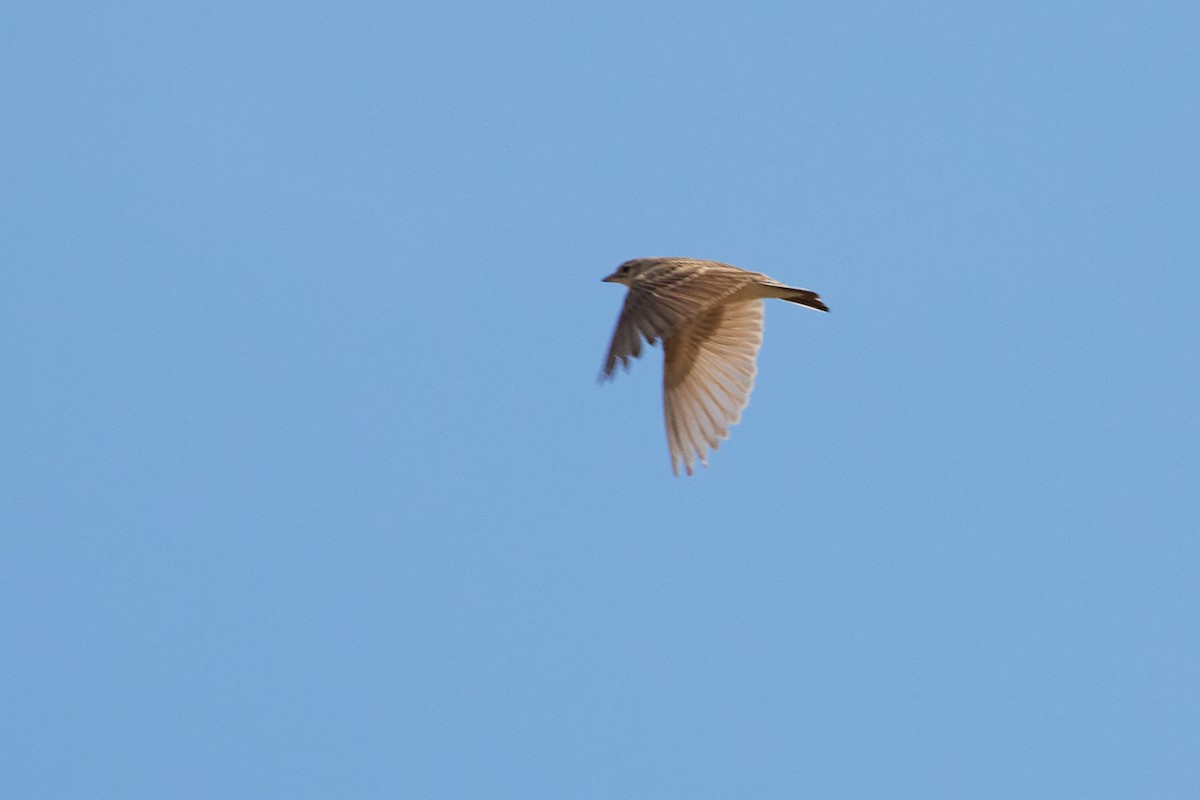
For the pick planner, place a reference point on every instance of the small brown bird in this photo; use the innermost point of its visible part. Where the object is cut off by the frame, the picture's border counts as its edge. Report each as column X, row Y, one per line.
column 709, row 317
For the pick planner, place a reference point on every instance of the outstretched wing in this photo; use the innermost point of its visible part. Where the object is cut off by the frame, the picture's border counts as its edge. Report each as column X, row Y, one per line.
column 708, row 374
column 666, row 297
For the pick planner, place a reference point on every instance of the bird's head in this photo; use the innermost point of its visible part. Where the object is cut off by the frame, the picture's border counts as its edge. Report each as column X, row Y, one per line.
column 630, row 270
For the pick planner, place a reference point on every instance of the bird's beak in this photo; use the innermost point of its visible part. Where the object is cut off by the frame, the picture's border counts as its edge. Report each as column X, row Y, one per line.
column 610, row 279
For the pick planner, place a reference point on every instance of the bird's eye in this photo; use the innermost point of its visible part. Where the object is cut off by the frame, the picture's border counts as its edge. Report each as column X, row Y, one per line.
column 624, row 270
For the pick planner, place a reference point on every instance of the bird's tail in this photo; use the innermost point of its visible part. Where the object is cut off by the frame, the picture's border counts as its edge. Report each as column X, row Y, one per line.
column 802, row 297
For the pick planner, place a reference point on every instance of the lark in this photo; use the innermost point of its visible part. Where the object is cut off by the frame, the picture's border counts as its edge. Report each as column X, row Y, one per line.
column 709, row 318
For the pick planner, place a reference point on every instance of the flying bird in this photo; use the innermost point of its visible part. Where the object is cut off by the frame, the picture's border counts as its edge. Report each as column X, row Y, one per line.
column 709, row 317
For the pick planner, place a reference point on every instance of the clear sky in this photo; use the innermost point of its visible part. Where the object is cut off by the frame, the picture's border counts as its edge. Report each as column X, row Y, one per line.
column 309, row 489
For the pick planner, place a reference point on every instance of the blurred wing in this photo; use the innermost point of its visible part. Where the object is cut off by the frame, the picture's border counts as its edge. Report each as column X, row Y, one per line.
column 665, row 298
column 707, row 377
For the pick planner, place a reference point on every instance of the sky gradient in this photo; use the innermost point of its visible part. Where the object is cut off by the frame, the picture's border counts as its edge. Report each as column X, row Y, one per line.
column 310, row 489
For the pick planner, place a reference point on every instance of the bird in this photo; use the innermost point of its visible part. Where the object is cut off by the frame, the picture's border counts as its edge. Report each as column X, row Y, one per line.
column 709, row 317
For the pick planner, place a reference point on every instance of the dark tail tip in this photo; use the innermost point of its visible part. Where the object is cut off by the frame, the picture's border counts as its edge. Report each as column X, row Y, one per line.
column 806, row 298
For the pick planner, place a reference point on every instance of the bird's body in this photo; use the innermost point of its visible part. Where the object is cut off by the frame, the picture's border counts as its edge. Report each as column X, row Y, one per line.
column 708, row 316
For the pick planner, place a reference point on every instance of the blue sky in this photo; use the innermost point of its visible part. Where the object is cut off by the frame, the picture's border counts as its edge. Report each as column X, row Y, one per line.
column 310, row 490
